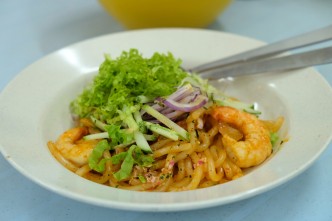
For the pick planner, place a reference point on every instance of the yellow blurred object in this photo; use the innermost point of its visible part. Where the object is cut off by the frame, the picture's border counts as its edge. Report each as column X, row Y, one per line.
column 134, row 14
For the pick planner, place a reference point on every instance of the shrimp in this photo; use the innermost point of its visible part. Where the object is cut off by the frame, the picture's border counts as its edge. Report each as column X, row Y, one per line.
column 73, row 148
column 256, row 145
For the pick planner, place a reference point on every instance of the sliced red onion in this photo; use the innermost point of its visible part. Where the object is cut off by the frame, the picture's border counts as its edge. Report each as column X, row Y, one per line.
column 167, row 110
column 190, row 98
column 185, row 100
column 175, row 114
column 199, row 101
column 157, row 106
column 179, row 94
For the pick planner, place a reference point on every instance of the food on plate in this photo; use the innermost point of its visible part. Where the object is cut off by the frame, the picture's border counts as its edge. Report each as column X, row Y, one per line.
column 145, row 124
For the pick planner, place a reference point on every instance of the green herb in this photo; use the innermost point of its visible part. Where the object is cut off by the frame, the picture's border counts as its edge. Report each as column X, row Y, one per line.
column 141, row 158
column 120, row 81
column 126, row 166
column 142, row 178
column 95, row 161
column 274, row 137
column 133, row 156
column 118, row 135
column 118, row 158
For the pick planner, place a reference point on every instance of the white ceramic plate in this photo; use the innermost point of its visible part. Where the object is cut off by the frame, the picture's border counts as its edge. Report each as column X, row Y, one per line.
column 34, row 109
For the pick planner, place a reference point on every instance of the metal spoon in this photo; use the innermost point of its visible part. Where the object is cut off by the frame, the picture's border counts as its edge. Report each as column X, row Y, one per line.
column 259, row 60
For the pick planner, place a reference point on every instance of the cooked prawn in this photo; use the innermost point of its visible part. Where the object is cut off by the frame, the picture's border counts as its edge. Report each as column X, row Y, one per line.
column 71, row 145
column 256, row 145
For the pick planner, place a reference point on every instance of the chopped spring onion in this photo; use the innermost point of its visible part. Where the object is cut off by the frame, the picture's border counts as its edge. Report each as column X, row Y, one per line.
column 142, row 142
column 169, row 123
column 238, row 105
column 103, row 135
column 98, row 123
column 162, row 130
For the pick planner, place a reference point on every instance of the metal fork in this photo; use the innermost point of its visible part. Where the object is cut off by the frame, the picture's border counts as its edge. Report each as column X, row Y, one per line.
column 260, row 60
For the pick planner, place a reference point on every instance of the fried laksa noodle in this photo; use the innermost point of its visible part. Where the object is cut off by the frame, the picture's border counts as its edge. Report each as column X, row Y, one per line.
column 223, row 142
column 147, row 125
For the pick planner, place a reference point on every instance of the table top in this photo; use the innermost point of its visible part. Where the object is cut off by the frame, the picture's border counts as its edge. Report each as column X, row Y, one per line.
column 33, row 29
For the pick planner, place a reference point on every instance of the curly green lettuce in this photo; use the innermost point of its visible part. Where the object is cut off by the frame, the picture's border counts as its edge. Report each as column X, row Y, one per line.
column 122, row 80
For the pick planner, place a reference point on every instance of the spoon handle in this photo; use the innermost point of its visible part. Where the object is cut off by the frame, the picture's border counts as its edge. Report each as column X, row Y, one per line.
column 310, row 38
column 295, row 61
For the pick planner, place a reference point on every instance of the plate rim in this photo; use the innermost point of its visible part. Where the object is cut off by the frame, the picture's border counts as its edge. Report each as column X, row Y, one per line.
column 146, row 206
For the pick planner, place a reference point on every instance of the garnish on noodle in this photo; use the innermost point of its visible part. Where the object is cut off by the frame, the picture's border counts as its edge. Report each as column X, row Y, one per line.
column 145, row 124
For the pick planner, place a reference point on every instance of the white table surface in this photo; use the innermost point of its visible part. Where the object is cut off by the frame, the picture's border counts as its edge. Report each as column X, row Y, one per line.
column 31, row 29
